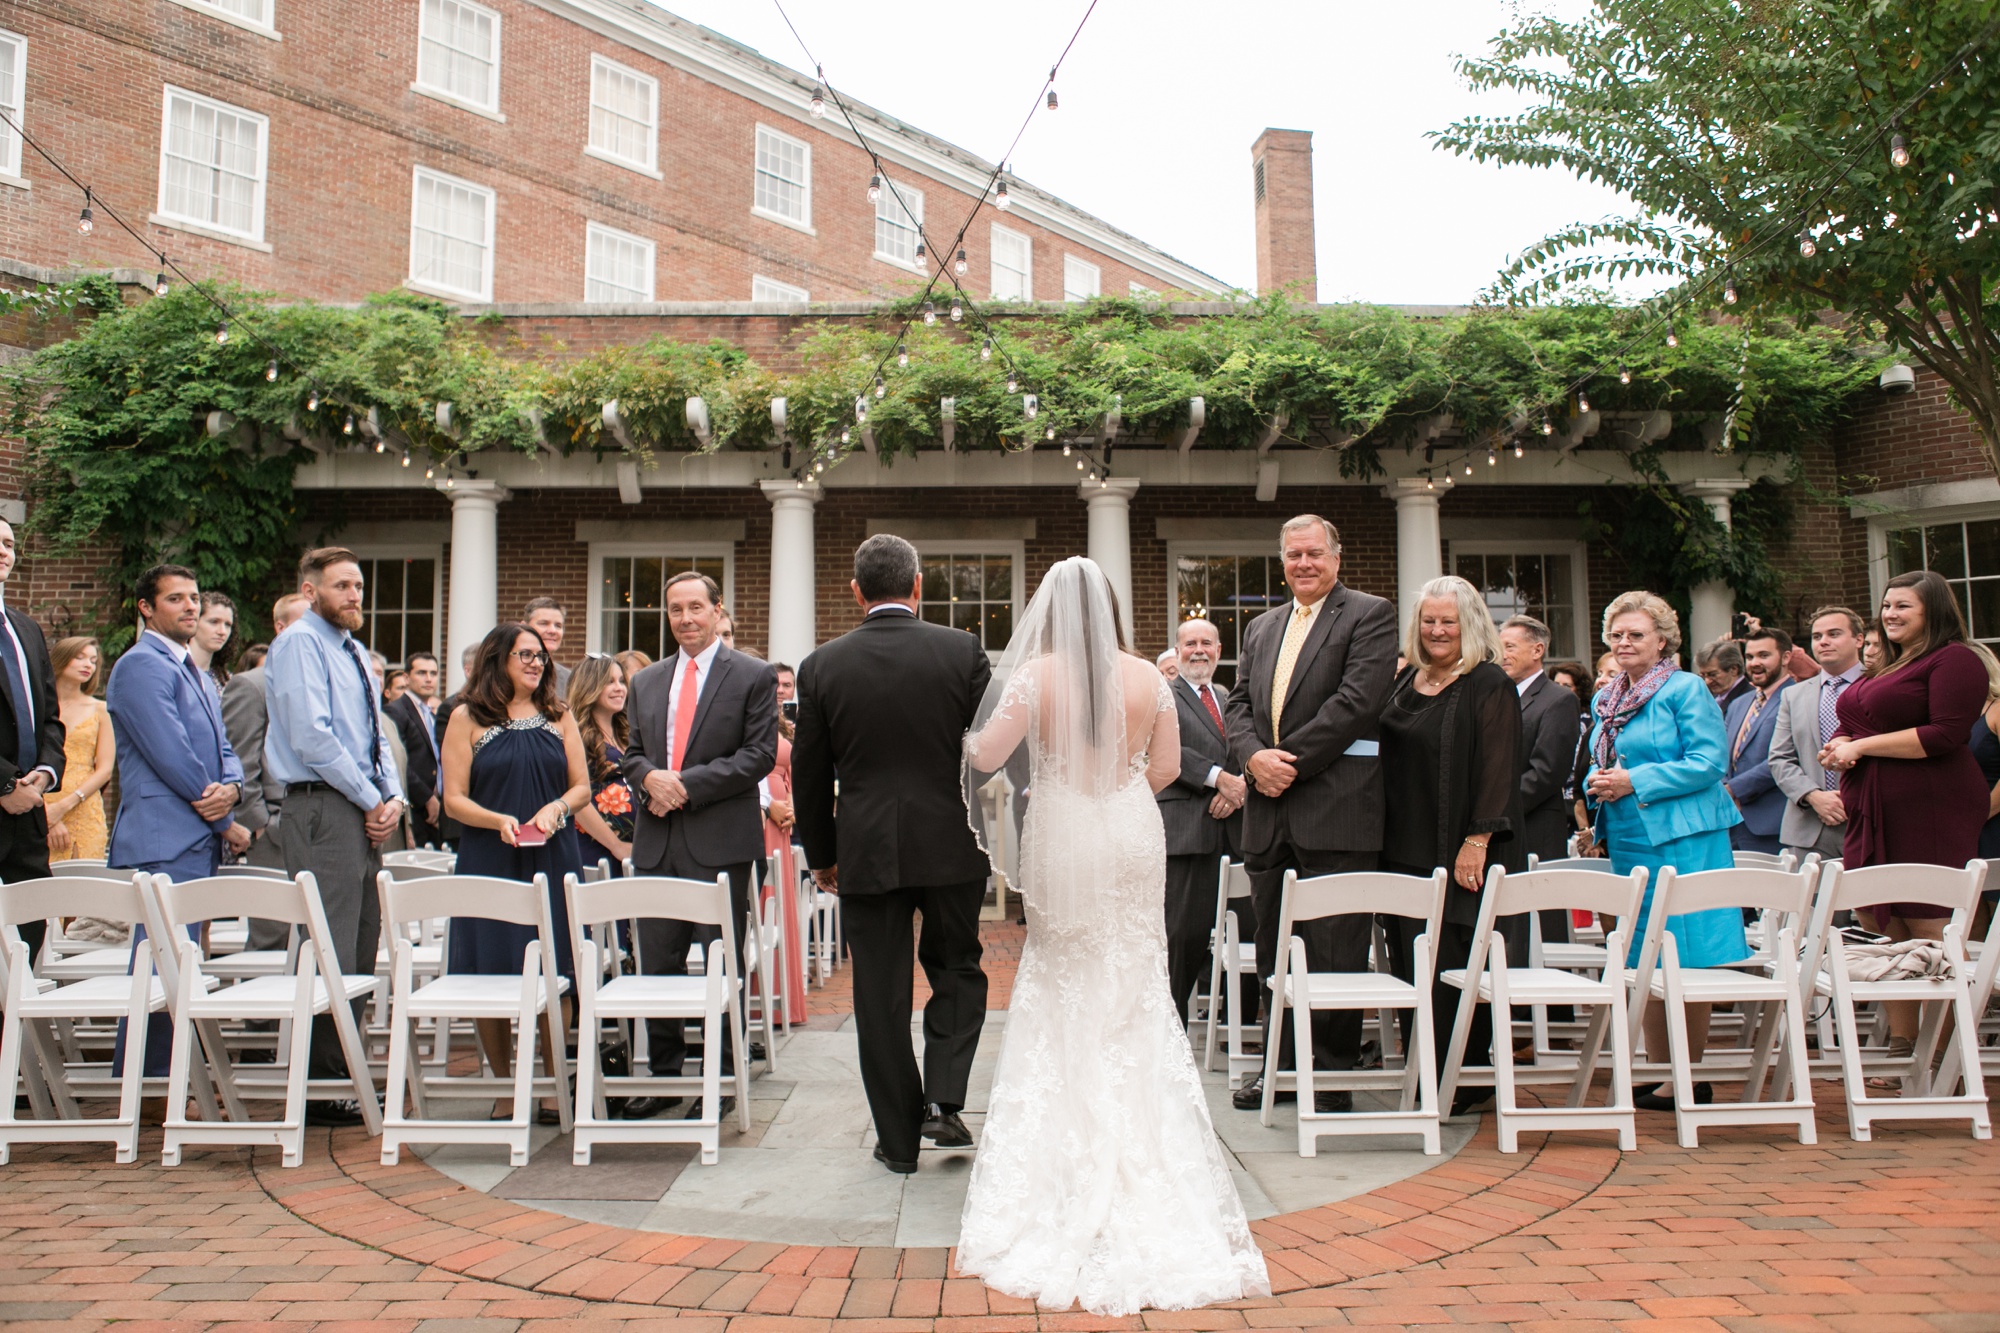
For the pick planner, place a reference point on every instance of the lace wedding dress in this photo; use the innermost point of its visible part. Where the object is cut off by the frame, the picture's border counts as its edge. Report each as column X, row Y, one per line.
column 1098, row 1178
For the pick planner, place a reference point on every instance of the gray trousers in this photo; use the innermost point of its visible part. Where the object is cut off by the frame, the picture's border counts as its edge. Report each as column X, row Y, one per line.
column 324, row 834
column 1831, row 836
column 265, row 851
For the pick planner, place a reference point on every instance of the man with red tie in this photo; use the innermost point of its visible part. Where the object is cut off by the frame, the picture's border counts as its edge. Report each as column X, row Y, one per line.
column 1202, row 813
column 704, row 733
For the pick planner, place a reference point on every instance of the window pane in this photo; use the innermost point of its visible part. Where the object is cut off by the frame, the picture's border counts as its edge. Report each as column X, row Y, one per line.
column 1556, row 569
column 419, row 633
column 648, row 583
column 1985, row 598
column 1472, row 568
column 1982, row 547
column 420, row 582
column 385, row 583
column 1944, row 550
column 937, row 578
column 937, row 613
column 649, row 634
column 965, row 580
column 966, row 616
column 1905, row 550
column 999, row 579
column 999, row 625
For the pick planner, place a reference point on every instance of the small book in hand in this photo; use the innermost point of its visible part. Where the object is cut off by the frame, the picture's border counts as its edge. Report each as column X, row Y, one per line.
column 529, row 835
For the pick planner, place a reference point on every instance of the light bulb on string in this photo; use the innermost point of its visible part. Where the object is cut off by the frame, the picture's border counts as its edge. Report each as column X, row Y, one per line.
column 1468, row 467
column 1000, row 199
column 845, row 435
column 271, row 372
column 930, row 312
column 920, row 254
column 430, row 471
column 818, row 106
column 406, row 458
column 902, row 355
column 1673, row 339
column 222, row 333
column 1899, row 150
column 1052, row 99
column 1493, row 458
column 880, row 387
column 1582, row 404
column 1052, row 90
column 959, row 265
column 1548, row 427
column 160, row 283
column 1051, row 433
column 986, row 350
column 861, row 409
column 1624, row 375
column 1518, row 450
column 1065, row 449
column 312, row 401
column 1429, row 485
column 820, row 466
column 1729, row 293
column 380, row 447
column 1807, row 247
column 86, row 221
column 1030, row 405
column 347, row 426
column 957, row 310
column 1012, row 383
column 1079, row 465
column 874, row 189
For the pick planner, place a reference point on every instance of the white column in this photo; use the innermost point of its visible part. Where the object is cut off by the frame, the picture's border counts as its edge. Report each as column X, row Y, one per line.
column 1419, row 542
column 1711, row 605
column 1110, row 504
column 794, row 627
column 475, row 567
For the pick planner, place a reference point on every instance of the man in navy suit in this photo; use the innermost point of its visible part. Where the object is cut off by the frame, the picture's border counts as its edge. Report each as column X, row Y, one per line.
column 178, row 778
column 31, row 745
column 1749, row 724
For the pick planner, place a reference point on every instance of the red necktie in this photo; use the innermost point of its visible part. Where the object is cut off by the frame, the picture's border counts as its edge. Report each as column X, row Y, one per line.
column 1208, row 697
column 684, row 712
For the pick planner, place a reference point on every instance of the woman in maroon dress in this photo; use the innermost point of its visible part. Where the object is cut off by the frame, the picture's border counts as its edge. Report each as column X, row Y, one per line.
column 1912, row 788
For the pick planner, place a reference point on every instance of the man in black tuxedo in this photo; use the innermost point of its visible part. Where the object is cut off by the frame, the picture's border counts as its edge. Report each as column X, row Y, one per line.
column 411, row 713
column 1202, row 811
column 31, row 745
column 886, row 708
column 704, row 733
column 1550, row 728
column 1312, row 678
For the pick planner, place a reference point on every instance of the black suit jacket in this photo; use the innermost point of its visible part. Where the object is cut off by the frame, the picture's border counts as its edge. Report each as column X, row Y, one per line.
column 414, row 724
column 733, row 744
column 885, row 708
column 1549, row 714
column 49, row 729
column 1191, row 830
column 1339, row 686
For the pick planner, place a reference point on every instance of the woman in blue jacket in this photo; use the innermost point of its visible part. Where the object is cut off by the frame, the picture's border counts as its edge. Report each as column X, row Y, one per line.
column 1658, row 753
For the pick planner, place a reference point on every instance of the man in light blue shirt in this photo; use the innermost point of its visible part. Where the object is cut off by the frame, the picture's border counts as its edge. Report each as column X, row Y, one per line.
column 324, row 742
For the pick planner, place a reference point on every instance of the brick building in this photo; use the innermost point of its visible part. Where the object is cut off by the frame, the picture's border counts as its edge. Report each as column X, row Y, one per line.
column 381, row 131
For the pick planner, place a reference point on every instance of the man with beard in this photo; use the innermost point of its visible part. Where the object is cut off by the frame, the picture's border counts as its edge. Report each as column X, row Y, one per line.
column 1200, row 810
column 1749, row 725
column 324, row 742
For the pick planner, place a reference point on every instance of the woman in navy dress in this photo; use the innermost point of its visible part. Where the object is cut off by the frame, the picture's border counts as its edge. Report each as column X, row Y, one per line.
column 512, row 757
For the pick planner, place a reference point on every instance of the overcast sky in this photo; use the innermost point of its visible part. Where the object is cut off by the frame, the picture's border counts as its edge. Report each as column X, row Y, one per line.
column 1161, row 100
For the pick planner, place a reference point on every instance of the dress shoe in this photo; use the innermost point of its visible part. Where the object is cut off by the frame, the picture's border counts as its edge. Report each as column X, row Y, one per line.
column 694, row 1111
column 900, row 1168
column 1336, row 1101
column 1660, row 1097
column 645, row 1108
column 1467, row 1100
column 945, row 1128
column 1250, row 1097
column 337, row 1115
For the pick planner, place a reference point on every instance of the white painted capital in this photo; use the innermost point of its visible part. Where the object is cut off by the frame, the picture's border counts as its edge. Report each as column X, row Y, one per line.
column 786, row 493
column 1415, row 492
column 1111, row 491
column 472, row 493
column 1716, row 493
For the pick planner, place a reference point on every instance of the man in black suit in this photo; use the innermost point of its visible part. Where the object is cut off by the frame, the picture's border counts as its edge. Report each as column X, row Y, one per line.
column 410, row 711
column 1202, row 811
column 886, row 708
column 1550, row 723
column 1312, row 678
column 31, row 746
column 704, row 733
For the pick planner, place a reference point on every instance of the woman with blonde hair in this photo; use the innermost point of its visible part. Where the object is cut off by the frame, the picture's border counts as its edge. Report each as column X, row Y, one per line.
column 1658, row 753
column 1451, row 785
column 77, row 828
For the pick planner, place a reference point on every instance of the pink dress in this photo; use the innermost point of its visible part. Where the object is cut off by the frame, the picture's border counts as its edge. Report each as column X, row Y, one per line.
column 787, row 887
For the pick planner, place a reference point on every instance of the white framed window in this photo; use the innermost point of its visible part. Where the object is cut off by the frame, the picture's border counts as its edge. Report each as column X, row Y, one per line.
column 629, row 609
column 13, row 99
column 771, row 290
column 403, row 590
column 784, row 179
column 1964, row 548
column 451, row 236
column 618, row 266
column 1540, row 579
column 1139, row 291
column 212, row 165
column 1228, row 584
column 899, row 219
column 624, row 114
column 254, row 15
column 975, row 586
column 458, row 53
column 1081, row 280
column 1013, row 277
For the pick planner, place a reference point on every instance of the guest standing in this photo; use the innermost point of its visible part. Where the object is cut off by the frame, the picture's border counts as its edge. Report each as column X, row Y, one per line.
column 597, row 694
column 378, row 674
column 544, row 615
column 76, row 809
column 1551, row 736
column 1721, row 666
column 1815, row 820
column 1311, row 683
column 632, row 661
column 512, row 756
column 1749, row 723
column 245, row 717
column 323, row 739
column 32, row 765
column 1658, row 751
column 416, row 725
column 1451, row 782
column 1912, row 790
column 214, row 644
column 780, row 822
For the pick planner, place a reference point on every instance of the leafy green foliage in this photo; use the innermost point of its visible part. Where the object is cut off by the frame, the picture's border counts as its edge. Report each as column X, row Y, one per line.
column 1740, row 129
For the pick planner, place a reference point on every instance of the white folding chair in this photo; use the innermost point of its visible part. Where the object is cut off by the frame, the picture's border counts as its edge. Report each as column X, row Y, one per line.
column 32, row 1001
column 85, row 866
column 1231, row 957
column 1985, row 964
column 312, row 987
column 1304, row 992
column 528, row 998
column 1759, row 860
column 1486, row 977
column 419, row 856
column 782, row 902
column 1937, row 886
column 763, row 959
column 824, row 913
column 709, row 996
column 1785, row 896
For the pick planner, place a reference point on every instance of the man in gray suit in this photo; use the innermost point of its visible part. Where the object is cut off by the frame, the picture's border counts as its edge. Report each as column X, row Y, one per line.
column 244, row 717
column 1202, row 810
column 1312, row 678
column 1815, row 820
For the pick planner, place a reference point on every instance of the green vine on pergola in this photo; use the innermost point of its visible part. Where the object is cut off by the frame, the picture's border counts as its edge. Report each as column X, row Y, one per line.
column 145, row 435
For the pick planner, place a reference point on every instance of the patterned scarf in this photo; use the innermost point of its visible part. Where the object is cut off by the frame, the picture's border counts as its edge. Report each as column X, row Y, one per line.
column 1619, row 702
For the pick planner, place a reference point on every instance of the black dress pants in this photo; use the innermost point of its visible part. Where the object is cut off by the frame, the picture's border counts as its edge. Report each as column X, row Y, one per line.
column 1333, row 944
column 1193, row 883
column 24, row 855
column 663, row 948
column 879, row 928
column 1452, row 949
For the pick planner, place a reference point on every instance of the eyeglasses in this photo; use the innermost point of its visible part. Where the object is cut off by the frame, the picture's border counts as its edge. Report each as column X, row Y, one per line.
column 1628, row 636
column 529, row 656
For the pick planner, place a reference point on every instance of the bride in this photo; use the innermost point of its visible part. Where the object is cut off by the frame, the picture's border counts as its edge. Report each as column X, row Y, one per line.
column 1099, row 1179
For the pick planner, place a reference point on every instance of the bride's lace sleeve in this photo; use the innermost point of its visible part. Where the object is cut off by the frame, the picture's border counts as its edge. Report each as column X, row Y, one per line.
column 1163, row 751
column 987, row 748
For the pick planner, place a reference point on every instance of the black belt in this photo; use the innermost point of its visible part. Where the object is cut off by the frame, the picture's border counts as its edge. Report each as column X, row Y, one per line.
column 291, row 787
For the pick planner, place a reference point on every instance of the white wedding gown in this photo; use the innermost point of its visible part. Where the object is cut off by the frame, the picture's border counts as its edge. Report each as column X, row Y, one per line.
column 1098, row 1177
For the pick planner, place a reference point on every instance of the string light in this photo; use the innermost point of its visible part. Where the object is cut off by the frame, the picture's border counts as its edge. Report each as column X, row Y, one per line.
column 430, row 471
column 160, row 281
column 1899, row 149
column 920, row 253
column 902, row 359
column 1052, row 99
column 860, row 409
column 1012, row 383
column 986, row 350
column 222, row 333
column 845, row 436
column 930, row 312
column 1582, row 404
column 1051, row 433
column 1518, row 450
column 957, row 310
column 1079, row 465
column 818, row 106
column 1729, row 293
column 347, row 426
column 1065, row 449
column 406, row 458
column 380, row 446
column 1429, row 485
column 1548, row 427
column 1000, row 199
column 1468, row 467
column 271, row 372
column 874, row 189
column 1493, row 458
column 880, row 387
column 312, row 401
column 1807, row 248
column 1673, row 339
column 959, row 265
column 86, row 223
column 1030, row 405
column 1624, row 375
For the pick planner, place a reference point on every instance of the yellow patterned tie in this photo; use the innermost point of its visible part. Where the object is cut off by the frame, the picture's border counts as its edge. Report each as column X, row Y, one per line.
column 1288, row 657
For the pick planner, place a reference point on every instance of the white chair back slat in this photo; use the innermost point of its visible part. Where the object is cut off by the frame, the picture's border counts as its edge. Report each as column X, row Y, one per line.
column 87, row 867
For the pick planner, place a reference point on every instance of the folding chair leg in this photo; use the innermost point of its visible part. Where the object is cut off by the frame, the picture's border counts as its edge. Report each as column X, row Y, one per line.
column 1975, row 1083
column 1505, row 1105
column 400, row 1039
column 177, row 1070
column 292, row 1141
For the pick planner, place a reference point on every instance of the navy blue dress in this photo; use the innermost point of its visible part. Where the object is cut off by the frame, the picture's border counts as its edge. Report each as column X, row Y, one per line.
column 517, row 768
column 1986, row 749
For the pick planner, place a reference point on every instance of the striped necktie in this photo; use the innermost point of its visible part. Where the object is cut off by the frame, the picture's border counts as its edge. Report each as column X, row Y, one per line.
column 1829, row 723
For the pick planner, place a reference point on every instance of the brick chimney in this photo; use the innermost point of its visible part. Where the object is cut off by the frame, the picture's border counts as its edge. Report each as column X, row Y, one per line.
column 1282, row 186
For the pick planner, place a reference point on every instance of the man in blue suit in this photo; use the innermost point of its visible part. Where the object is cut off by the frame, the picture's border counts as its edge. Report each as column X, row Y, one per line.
column 178, row 778
column 1749, row 723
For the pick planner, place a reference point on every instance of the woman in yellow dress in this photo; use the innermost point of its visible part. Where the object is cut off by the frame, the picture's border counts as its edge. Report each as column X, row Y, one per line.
column 76, row 809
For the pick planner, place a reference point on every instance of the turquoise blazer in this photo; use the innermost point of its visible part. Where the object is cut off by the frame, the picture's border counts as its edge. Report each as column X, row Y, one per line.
column 1677, row 752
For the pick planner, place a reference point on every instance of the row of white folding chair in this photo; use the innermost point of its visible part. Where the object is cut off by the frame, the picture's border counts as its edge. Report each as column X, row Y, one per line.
column 822, row 912
column 1231, row 958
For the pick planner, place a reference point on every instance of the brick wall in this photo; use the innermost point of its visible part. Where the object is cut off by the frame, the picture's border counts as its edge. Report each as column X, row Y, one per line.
column 1286, row 255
